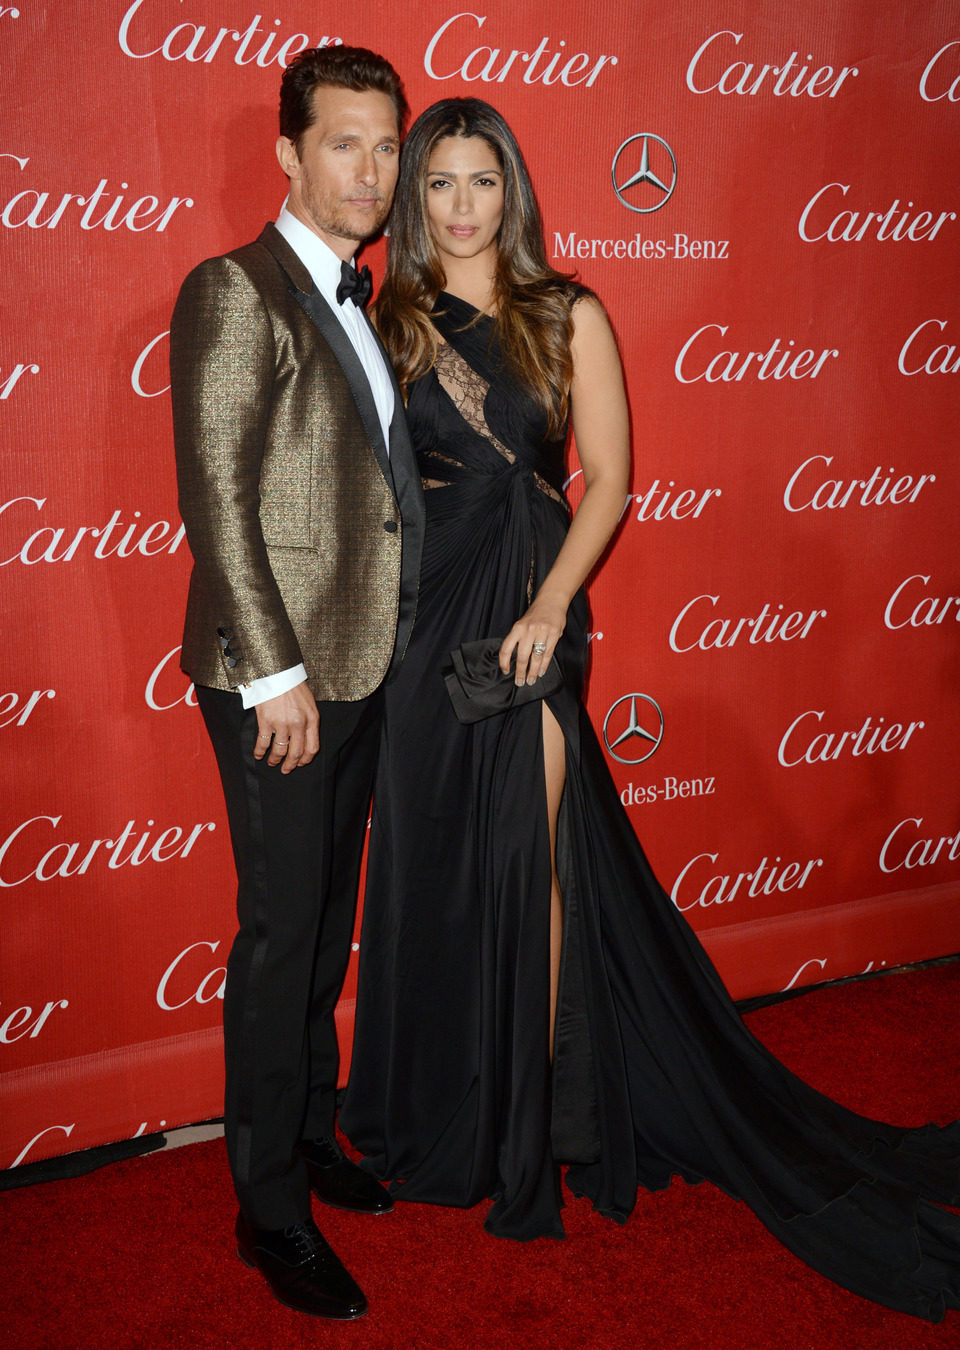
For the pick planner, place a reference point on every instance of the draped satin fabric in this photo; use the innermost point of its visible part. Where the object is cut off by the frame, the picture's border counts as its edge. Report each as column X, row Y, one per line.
column 452, row 1094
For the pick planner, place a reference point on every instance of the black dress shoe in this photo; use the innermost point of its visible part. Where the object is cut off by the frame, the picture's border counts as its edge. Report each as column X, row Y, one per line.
column 339, row 1182
column 302, row 1269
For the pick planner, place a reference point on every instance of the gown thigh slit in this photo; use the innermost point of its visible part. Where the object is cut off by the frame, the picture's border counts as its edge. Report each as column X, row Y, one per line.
column 452, row 1096
column 555, row 769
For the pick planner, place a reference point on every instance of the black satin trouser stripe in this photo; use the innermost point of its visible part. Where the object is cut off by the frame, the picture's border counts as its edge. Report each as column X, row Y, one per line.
column 243, row 1146
column 297, row 840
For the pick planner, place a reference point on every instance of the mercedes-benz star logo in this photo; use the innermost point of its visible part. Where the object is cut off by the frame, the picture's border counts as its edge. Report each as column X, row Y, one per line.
column 635, row 730
column 660, row 185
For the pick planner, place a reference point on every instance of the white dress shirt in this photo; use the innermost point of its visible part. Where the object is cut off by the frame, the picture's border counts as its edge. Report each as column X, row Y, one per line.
column 324, row 268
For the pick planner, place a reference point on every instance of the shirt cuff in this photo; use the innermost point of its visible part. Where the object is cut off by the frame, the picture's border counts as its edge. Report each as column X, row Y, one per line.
column 271, row 686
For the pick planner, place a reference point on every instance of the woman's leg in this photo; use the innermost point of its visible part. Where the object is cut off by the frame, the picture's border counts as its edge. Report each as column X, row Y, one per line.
column 555, row 772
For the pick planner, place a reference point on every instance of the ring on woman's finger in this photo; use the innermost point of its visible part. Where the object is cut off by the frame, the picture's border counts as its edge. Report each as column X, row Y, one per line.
column 281, row 744
column 539, row 648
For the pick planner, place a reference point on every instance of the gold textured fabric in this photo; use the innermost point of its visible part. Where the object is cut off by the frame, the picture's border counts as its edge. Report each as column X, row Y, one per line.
column 291, row 516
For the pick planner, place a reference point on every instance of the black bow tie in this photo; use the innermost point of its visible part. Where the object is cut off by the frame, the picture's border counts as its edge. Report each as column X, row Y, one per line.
column 354, row 285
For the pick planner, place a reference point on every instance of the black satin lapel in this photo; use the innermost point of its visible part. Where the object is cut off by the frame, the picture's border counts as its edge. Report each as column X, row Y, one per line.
column 329, row 325
column 409, row 494
column 403, row 462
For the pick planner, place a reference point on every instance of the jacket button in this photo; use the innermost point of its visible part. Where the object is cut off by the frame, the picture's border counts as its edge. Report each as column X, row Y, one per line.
column 390, row 526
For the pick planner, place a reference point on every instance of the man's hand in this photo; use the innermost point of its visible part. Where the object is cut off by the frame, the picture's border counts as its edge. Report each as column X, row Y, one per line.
column 289, row 728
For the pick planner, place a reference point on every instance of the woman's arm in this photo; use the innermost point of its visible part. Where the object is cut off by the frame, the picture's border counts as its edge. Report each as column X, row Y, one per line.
column 601, row 424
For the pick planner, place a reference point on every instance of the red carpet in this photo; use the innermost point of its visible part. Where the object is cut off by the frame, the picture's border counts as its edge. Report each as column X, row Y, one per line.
column 140, row 1253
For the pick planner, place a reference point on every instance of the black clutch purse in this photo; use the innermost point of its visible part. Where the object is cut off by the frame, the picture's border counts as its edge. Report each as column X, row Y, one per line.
column 478, row 687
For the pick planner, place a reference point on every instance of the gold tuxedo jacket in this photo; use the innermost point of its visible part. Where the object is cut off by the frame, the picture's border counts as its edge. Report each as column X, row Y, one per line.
column 306, row 535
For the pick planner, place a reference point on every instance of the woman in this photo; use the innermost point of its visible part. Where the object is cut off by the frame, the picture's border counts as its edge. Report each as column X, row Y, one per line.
column 486, row 1053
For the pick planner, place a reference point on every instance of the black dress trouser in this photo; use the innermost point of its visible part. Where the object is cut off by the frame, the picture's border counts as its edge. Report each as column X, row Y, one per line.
column 297, row 843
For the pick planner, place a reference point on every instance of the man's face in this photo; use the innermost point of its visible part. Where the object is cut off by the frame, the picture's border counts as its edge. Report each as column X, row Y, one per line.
column 342, row 182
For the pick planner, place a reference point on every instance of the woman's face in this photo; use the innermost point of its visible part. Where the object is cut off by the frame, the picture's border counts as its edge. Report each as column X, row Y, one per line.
column 464, row 197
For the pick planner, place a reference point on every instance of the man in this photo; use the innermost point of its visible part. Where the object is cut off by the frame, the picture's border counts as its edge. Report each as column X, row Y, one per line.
column 303, row 510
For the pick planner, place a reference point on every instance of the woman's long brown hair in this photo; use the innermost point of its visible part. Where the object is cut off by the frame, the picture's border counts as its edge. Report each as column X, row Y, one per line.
column 532, row 300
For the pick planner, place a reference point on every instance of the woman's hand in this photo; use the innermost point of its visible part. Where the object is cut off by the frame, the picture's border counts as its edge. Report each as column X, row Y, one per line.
column 534, row 637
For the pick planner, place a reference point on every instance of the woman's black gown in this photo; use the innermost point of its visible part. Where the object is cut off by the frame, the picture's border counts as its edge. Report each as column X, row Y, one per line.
column 452, row 1095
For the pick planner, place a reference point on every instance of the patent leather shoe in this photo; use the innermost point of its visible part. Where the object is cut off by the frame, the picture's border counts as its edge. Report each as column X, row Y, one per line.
column 302, row 1269
column 339, row 1182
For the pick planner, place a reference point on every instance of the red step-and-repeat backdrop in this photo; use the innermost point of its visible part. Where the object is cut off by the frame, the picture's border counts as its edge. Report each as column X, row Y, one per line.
column 765, row 197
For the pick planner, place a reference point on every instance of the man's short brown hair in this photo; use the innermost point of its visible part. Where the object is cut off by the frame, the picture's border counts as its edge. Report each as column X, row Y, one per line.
column 342, row 67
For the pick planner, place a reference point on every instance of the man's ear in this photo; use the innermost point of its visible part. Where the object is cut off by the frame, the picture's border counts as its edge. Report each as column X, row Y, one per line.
column 288, row 157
